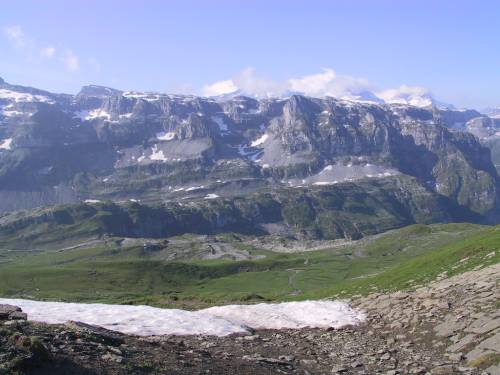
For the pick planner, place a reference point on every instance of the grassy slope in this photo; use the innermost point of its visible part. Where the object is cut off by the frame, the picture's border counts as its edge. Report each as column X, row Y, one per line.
column 477, row 251
column 418, row 252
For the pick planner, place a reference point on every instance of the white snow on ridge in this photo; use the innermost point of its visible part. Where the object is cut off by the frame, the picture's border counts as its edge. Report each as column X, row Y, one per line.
column 336, row 173
column 414, row 101
column 90, row 115
column 23, row 97
column 148, row 96
column 162, row 136
column 157, row 154
column 82, row 115
column 9, row 112
column 194, row 188
column 211, row 196
column 327, row 168
column 260, row 140
column 6, row 144
column 217, row 321
column 92, row 201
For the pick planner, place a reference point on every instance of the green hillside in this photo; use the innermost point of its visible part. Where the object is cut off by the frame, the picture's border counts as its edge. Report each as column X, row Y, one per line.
column 135, row 275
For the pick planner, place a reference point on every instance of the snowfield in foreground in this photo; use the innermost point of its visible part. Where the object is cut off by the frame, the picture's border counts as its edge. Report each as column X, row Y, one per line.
column 217, row 321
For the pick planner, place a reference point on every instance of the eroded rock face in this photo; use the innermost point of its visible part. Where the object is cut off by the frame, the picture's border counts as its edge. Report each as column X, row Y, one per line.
column 340, row 211
column 105, row 143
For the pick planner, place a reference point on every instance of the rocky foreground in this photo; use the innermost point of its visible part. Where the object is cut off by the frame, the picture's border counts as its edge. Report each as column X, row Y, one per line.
column 451, row 326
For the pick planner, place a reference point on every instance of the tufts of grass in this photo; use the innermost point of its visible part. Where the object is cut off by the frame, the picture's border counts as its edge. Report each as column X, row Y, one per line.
column 487, row 360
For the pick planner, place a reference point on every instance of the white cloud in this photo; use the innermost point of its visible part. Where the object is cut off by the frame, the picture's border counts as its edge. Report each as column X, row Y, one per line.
column 248, row 82
column 329, row 83
column 71, row 61
column 219, row 88
column 414, row 95
column 16, row 35
column 325, row 83
column 48, row 52
column 313, row 84
column 37, row 52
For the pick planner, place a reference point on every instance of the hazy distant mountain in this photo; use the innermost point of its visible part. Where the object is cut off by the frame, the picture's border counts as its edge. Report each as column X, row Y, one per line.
column 492, row 112
column 417, row 97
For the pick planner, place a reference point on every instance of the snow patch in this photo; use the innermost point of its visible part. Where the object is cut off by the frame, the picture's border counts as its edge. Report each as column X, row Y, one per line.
column 91, row 115
column 162, row 136
column 322, row 183
column 217, row 321
column 336, row 173
column 10, row 113
column 260, row 140
column 211, row 196
column 92, row 201
column 148, row 96
column 193, row 188
column 157, row 154
column 23, row 97
column 6, row 144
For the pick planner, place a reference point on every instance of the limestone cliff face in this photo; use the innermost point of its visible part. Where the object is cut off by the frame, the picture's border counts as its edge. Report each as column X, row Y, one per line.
column 109, row 144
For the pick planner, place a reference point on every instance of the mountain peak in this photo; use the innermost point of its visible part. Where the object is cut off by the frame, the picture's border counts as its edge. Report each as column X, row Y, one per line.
column 412, row 95
column 1, row 81
column 99, row 91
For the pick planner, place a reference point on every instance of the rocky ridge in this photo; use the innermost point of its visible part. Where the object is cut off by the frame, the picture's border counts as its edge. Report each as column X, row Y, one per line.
column 109, row 144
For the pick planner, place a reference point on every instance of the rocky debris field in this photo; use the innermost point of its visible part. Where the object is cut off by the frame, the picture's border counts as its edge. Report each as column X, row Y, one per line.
column 451, row 326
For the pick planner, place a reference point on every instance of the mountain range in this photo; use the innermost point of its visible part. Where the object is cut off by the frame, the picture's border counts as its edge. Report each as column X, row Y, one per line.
column 316, row 167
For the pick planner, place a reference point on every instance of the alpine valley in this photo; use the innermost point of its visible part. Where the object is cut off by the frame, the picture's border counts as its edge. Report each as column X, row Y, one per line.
column 178, row 201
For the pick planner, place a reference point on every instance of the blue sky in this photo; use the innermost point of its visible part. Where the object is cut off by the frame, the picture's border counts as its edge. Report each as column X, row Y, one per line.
column 451, row 48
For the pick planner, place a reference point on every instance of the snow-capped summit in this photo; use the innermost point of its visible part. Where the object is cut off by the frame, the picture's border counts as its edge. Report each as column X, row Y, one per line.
column 406, row 95
column 410, row 95
column 492, row 112
column 363, row 97
column 242, row 93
